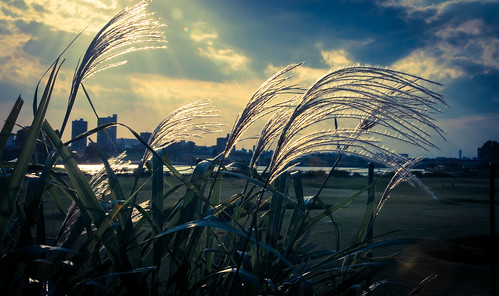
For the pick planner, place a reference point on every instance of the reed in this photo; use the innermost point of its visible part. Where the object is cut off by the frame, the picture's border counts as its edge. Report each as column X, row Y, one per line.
column 255, row 242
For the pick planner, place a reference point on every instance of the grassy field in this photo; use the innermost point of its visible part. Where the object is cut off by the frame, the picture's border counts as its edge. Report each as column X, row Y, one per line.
column 461, row 214
column 462, row 208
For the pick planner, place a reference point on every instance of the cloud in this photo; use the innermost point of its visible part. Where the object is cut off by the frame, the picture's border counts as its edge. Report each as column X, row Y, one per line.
column 335, row 58
column 428, row 65
column 460, row 37
column 201, row 31
column 31, row 38
column 176, row 92
column 469, row 42
column 225, row 57
column 227, row 60
column 70, row 16
column 17, row 65
column 428, row 9
column 456, row 49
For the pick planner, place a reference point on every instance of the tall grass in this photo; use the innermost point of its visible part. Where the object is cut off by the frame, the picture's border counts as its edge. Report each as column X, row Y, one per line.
column 255, row 242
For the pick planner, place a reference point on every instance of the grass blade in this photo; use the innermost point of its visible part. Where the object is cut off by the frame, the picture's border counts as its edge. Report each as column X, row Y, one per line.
column 86, row 198
column 9, row 124
column 8, row 202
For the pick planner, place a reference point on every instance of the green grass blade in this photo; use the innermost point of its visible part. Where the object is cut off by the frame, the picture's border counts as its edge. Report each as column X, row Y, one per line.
column 210, row 235
column 224, row 226
column 329, row 211
column 157, row 213
column 187, row 240
column 9, row 124
column 276, row 213
column 125, row 232
column 157, row 191
column 8, row 202
column 363, row 231
column 86, row 197
column 298, row 212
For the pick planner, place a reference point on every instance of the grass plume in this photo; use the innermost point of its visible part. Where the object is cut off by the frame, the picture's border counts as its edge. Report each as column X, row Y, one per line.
column 258, row 105
column 183, row 123
column 132, row 29
column 388, row 105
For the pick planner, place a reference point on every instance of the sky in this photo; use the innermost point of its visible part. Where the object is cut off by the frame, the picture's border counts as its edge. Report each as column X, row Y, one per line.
column 223, row 50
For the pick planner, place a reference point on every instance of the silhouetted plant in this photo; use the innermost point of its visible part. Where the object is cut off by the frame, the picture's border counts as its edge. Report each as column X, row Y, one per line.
column 255, row 242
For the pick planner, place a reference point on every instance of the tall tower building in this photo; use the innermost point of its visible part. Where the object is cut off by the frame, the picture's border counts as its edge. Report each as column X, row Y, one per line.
column 79, row 127
column 221, row 143
column 107, row 138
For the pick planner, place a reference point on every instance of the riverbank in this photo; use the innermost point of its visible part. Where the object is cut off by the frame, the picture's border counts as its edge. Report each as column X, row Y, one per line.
column 454, row 229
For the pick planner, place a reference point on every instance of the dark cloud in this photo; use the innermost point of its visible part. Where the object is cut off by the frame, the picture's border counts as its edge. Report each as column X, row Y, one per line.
column 462, row 30
column 484, row 10
column 10, row 12
column 20, row 4
column 4, row 27
column 473, row 95
column 46, row 43
column 284, row 32
column 38, row 8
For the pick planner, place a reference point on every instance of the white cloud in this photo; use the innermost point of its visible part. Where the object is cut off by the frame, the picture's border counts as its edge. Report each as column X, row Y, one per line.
column 470, row 27
column 68, row 16
column 458, row 41
column 467, row 42
column 203, row 32
column 427, row 65
column 335, row 58
column 17, row 66
column 456, row 45
column 429, row 9
column 226, row 58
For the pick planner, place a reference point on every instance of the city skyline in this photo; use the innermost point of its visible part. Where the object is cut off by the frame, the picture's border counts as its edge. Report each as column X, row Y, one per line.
column 218, row 143
column 224, row 50
column 189, row 152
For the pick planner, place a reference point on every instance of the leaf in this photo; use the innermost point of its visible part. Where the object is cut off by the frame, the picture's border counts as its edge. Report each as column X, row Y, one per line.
column 8, row 202
column 220, row 225
column 9, row 124
column 86, row 198
column 10, row 261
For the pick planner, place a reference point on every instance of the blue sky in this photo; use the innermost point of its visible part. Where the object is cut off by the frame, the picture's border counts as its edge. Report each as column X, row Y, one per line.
column 223, row 50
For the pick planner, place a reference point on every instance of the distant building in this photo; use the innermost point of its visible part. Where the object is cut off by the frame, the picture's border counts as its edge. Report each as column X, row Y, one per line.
column 21, row 136
column 127, row 144
column 10, row 141
column 460, row 154
column 40, row 153
column 106, row 139
column 221, row 143
column 145, row 136
column 79, row 127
